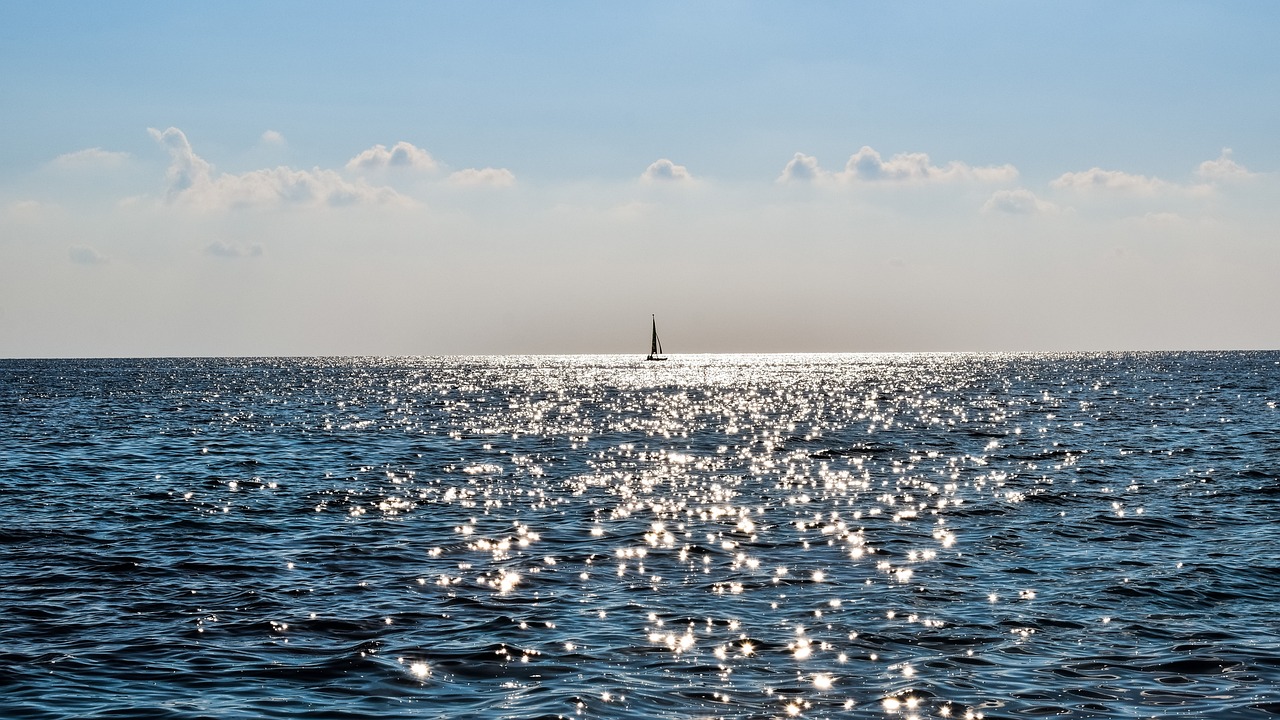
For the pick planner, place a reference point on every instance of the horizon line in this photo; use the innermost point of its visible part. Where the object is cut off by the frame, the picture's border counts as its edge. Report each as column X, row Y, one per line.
column 641, row 354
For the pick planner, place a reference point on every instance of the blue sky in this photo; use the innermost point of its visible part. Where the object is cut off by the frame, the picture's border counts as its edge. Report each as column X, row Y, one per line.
column 207, row 179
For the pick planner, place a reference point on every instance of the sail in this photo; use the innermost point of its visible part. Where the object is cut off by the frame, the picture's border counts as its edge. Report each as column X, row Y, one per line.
column 655, row 345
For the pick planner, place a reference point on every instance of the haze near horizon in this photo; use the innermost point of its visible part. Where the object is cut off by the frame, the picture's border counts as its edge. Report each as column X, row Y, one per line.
column 424, row 179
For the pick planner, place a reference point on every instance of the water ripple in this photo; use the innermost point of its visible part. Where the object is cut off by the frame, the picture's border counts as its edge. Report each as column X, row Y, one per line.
column 1076, row 535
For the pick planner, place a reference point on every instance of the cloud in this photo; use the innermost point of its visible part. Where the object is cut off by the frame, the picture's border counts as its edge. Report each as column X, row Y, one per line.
column 286, row 186
column 191, row 180
column 186, row 169
column 26, row 210
column 271, row 137
column 869, row 166
column 400, row 155
column 1210, row 173
column 483, row 177
column 629, row 212
column 85, row 255
column 802, row 168
column 1222, row 169
column 224, row 249
column 1019, row 201
column 665, row 171
column 1161, row 220
column 1096, row 179
column 91, row 157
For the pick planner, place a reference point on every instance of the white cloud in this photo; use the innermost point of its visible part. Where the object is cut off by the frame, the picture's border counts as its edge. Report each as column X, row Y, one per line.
column 192, row 180
column 1019, row 201
column 483, row 177
column 271, row 137
column 1161, row 220
column 286, row 186
column 1222, row 169
column 868, row 166
column 186, row 169
column 665, row 171
column 802, row 168
column 400, row 155
column 1097, row 179
column 91, row 157
column 224, row 249
column 85, row 255
column 26, row 210
column 629, row 212
column 1210, row 173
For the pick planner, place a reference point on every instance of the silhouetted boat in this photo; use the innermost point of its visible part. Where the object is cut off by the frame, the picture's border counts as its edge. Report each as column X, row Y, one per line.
column 655, row 345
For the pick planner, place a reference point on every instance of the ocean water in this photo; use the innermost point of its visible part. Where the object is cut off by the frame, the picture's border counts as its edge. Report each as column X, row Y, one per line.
column 881, row 536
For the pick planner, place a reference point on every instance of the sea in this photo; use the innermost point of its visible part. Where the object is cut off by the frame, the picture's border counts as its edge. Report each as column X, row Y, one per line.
column 1080, row 535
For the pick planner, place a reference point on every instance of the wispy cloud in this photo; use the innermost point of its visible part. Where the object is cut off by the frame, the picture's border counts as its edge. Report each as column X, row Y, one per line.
column 483, row 177
column 1115, row 181
column 191, row 180
column 272, row 137
column 224, row 249
column 85, row 255
column 869, row 166
column 1160, row 221
column 25, row 210
column 1019, row 201
column 1210, row 176
column 1224, row 168
column 91, row 157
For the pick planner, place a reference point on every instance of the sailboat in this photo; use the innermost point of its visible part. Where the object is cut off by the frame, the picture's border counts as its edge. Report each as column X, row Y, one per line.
column 655, row 345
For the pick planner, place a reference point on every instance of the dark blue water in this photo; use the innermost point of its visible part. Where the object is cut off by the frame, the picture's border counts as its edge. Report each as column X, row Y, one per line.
column 1081, row 536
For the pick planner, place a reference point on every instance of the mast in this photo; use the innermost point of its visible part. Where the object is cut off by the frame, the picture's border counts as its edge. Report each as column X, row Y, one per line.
column 655, row 345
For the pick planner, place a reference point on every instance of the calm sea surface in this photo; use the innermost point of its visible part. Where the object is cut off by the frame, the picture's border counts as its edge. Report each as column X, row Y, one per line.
column 881, row 536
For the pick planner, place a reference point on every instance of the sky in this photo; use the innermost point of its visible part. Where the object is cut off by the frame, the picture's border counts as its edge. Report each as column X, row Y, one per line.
column 441, row 178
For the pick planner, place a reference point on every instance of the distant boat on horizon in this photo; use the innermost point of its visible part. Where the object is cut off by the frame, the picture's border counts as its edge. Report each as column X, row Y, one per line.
column 655, row 345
